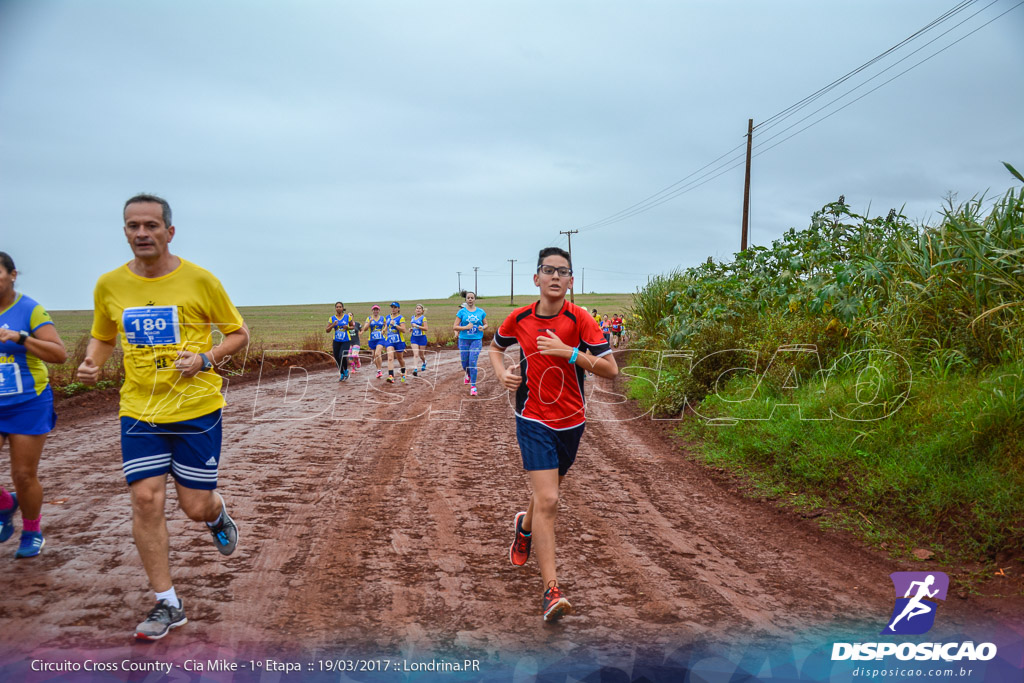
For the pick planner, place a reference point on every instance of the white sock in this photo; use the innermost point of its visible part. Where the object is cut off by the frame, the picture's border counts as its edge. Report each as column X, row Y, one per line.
column 171, row 597
column 217, row 521
column 220, row 516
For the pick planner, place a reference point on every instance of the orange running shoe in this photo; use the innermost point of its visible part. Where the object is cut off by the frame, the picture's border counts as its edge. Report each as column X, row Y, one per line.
column 519, row 552
column 555, row 605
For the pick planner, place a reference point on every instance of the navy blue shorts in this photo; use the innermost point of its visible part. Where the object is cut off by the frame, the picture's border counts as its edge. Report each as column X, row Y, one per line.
column 418, row 340
column 397, row 346
column 374, row 343
column 544, row 448
column 189, row 450
column 31, row 418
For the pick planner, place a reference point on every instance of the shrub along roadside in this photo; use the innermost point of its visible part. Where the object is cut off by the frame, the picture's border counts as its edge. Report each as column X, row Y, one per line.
column 944, row 471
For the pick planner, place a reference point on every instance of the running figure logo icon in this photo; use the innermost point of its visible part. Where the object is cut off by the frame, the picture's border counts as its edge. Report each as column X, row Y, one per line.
column 914, row 612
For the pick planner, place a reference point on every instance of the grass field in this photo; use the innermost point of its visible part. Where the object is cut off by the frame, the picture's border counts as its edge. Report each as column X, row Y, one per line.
column 301, row 327
column 285, row 327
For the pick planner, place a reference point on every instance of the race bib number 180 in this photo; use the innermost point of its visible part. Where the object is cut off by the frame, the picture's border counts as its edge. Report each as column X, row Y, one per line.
column 152, row 325
column 10, row 379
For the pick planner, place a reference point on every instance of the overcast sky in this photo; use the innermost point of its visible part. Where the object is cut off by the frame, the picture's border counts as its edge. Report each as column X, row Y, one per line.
column 315, row 151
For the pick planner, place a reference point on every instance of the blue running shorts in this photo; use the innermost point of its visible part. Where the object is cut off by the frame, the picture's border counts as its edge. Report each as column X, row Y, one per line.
column 31, row 418
column 189, row 450
column 544, row 448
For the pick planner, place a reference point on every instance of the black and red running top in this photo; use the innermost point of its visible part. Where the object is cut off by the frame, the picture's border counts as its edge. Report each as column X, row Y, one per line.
column 552, row 390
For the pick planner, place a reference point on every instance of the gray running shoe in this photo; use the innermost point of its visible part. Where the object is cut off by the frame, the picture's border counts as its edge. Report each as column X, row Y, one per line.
column 225, row 534
column 160, row 620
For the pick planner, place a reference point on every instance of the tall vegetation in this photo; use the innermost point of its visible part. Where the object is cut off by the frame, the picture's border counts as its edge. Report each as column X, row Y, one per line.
column 941, row 461
column 944, row 297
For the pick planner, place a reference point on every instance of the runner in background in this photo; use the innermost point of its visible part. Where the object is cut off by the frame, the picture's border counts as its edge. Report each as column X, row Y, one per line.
column 557, row 341
column 354, row 361
column 395, row 341
column 620, row 337
column 340, row 323
column 163, row 309
column 606, row 329
column 470, row 323
column 418, row 339
column 616, row 328
column 375, row 325
column 28, row 340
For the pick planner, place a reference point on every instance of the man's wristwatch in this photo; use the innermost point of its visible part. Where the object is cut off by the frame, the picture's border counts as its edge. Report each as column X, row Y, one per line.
column 22, row 336
column 207, row 363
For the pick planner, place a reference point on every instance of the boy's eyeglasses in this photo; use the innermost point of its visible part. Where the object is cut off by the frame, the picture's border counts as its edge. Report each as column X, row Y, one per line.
column 551, row 270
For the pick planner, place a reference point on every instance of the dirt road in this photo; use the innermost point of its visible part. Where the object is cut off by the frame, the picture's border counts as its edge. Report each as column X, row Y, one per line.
column 377, row 519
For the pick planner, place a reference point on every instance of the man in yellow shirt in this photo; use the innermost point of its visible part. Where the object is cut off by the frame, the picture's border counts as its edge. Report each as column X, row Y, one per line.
column 164, row 309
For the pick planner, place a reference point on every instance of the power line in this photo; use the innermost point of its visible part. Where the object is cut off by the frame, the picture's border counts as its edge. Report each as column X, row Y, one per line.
column 857, row 99
column 663, row 190
column 777, row 118
column 720, row 167
column 893, row 65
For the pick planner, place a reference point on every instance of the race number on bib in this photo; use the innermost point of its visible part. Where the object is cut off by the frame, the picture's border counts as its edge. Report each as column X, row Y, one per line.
column 10, row 379
column 151, row 325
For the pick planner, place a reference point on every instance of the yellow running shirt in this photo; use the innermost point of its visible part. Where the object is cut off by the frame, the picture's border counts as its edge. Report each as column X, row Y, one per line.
column 155, row 318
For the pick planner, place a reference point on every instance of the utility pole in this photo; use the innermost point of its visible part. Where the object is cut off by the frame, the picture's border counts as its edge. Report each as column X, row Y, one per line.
column 475, row 268
column 512, row 283
column 746, row 187
column 583, row 281
column 570, row 233
column 460, row 281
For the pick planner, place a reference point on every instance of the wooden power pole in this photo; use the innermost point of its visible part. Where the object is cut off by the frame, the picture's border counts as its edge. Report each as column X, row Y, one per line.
column 570, row 233
column 512, row 283
column 746, row 187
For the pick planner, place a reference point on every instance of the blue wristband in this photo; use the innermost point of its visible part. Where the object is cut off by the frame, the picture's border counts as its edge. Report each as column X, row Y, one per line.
column 572, row 358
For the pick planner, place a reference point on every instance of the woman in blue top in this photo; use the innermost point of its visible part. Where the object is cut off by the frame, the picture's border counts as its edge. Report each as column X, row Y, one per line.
column 28, row 340
column 470, row 323
column 418, row 338
column 341, row 323
column 374, row 326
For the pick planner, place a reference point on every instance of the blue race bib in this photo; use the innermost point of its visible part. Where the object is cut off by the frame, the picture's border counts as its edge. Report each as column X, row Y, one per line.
column 151, row 325
column 10, row 379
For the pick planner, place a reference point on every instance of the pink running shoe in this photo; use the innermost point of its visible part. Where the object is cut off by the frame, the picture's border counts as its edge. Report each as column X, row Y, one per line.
column 466, row 380
column 472, row 391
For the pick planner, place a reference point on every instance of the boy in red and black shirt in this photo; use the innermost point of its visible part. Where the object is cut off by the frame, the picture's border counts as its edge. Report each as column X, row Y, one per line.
column 558, row 343
column 616, row 329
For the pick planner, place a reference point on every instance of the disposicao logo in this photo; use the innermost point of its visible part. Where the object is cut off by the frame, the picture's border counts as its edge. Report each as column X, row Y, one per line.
column 916, row 596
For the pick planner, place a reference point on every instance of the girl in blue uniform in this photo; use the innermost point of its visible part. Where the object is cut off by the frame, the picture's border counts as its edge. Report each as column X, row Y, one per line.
column 28, row 338
column 470, row 323
column 374, row 327
column 418, row 338
column 340, row 323
column 395, row 341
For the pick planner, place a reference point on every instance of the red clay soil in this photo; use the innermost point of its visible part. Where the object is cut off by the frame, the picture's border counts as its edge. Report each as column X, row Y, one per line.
column 378, row 517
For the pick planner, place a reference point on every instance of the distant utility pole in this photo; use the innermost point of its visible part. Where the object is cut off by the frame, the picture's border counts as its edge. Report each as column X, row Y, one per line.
column 746, row 187
column 570, row 233
column 583, row 280
column 460, row 281
column 475, row 268
column 512, row 283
